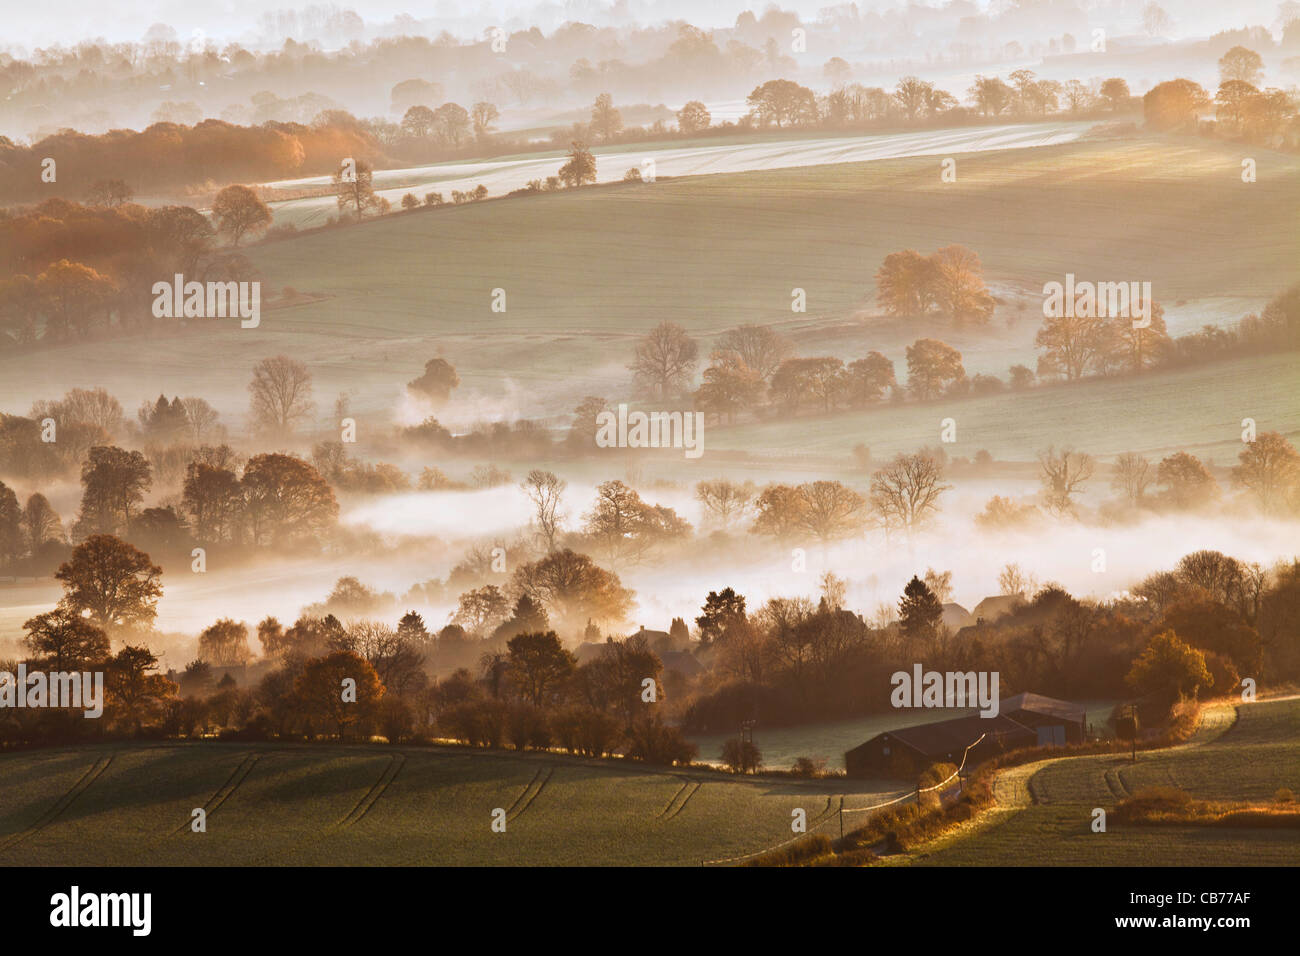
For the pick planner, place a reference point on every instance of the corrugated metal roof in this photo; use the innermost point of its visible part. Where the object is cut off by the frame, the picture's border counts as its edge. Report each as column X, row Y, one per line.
column 1038, row 704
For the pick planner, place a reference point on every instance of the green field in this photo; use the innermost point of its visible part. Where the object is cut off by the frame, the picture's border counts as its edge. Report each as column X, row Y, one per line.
column 588, row 271
column 1197, row 410
column 1255, row 756
column 373, row 805
column 329, row 804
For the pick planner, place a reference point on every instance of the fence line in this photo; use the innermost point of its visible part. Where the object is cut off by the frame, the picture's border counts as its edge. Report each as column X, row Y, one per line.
column 916, row 792
column 919, row 790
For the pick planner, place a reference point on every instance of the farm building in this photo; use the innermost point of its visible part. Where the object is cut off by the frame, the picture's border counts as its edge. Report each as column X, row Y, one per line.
column 1057, row 722
column 955, row 617
column 1026, row 720
column 682, row 662
column 992, row 608
column 653, row 638
column 908, row 751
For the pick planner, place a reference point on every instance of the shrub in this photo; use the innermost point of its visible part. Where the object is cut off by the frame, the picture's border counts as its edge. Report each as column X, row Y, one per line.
column 741, row 756
column 527, row 727
column 655, row 742
column 396, row 719
column 478, row 723
column 933, row 776
column 803, row 851
column 580, row 730
column 987, row 385
column 1151, row 803
column 809, row 768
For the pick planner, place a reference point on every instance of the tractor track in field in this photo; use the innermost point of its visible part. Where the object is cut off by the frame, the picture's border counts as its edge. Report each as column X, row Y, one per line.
column 531, row 793
column 1115, row 783
column 677, row 804
column 395, row 764
column 830, row 811
column 60, row 805
column 226, row 790
column 396, row 761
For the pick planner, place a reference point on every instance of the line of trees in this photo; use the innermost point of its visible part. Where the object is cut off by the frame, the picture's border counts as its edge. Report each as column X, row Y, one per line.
column 1075, row 346
column 1266, row 476
column 69, row 269
column 754, row 367
column 1196, row 629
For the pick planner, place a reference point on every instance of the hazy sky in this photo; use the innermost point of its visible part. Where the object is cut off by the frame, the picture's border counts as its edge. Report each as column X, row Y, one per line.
column 67, row 21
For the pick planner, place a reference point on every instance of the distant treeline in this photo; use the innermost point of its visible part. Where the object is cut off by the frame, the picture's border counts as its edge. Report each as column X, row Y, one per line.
column 174, row 157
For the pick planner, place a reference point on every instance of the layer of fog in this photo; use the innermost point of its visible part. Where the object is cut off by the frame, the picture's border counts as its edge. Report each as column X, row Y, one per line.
column 427, row 533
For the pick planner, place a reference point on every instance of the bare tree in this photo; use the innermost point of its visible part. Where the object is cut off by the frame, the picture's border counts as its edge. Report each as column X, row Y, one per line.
column 544, row 490
column 200, row 417
column 281, row 394
column 940, row 584
column 1132, row 477
column 834, row 590
column 1016, row 582
column 725, row 500
column 831, row 510
column 665, row 359
column 905, row 493
column 1063, row 476
column 395, row 659
column 761, row 348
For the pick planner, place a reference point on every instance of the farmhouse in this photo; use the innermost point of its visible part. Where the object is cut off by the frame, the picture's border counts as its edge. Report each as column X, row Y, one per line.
column 653, row 638
column 681, row 662
column 1026, row 720
column 955, row 617
column 992, row 608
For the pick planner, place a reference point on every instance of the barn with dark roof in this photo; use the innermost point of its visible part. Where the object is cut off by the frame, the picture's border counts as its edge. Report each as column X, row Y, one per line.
column 1026, row 720
column 1056, row 722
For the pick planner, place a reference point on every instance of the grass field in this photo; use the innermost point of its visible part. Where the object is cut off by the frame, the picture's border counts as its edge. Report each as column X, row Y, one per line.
column 320, row 805
column 273, row 805
column 1049, row 820
column 1198, row 410
column 588, row 271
